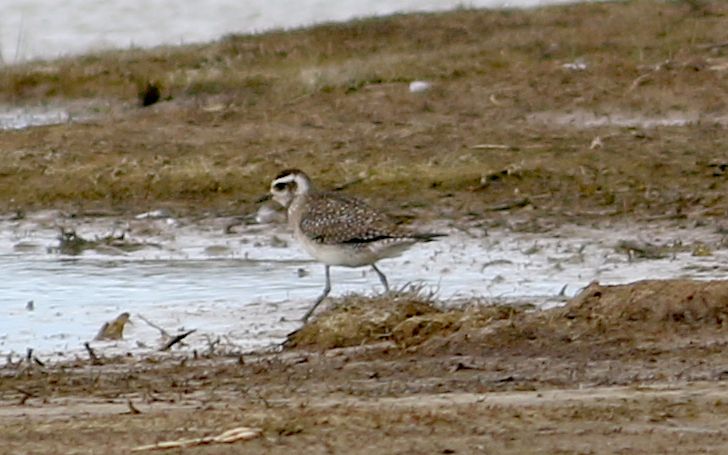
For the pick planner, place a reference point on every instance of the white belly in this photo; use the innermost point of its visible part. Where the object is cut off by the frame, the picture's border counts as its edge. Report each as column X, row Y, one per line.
column 351, row 255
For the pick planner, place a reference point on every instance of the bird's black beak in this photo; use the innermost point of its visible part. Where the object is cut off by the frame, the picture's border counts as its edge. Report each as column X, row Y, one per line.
column 261, row 199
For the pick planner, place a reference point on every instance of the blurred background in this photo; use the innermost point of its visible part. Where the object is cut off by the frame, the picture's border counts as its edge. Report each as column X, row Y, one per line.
column 35, row 29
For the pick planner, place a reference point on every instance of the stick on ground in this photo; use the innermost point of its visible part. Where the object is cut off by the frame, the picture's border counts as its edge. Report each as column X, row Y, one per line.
column 94, row 358
column 177, row 339
column 164, row 333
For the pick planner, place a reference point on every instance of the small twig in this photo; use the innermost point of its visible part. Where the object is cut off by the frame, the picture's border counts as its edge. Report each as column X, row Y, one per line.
column 266, row 403
column 639, row 81
column 164, row 333
column 228, row 437
column 562, row 292
column 290, row 340
column 667, row 64
column 517, row 204
column 713, row 46
column 177, row 339
column 462, row 366
column 94, row 358
column 211, row 344
column 297, row 99
column 26, row 394
column 132, row 409
column 491, row 147
column 346, row 185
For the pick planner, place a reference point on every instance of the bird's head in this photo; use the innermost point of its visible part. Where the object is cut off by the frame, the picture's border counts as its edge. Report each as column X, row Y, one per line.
column 289, row 184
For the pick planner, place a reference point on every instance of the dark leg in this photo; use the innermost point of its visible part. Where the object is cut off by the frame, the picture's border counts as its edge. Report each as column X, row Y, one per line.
column 382, row 278
column 321, row 298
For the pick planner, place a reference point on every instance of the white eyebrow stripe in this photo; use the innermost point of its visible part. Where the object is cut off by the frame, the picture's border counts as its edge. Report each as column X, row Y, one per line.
column 285, row 179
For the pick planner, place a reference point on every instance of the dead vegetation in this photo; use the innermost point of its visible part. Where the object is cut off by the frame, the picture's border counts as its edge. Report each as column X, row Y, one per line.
column 631, row 313
column 112, row 330
column 232, row 113
column 407, row 318
column 615, row 367
column 71, row 243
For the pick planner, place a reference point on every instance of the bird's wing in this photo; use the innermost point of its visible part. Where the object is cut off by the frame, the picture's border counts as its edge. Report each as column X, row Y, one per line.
column 334, row 218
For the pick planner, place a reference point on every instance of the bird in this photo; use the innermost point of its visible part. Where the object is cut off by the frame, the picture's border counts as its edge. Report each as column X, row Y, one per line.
column 339, row 230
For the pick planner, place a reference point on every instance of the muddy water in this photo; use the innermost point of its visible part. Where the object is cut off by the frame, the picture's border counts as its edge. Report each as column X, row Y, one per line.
column 246, row 287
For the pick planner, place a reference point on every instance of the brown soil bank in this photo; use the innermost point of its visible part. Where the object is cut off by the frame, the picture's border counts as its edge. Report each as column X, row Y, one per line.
column 619, row 315
column 567, row 112
column 637, row 368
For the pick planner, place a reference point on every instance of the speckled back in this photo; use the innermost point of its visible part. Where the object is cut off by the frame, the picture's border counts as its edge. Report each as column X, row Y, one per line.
column 331, row 218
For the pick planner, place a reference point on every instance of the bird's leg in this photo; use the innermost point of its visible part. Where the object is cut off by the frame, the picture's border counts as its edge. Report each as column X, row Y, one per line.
column 321, row 298
column 382, row 278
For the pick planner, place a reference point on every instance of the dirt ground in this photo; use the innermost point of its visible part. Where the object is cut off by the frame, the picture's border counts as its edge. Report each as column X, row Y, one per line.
column 562, row 114
column 638, row 368
column 535, row 118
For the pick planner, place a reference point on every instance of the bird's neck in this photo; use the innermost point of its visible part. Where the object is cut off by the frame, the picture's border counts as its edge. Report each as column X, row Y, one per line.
column 295, row 209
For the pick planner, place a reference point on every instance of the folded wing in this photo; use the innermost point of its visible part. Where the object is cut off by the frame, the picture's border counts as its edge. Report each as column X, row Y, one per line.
column 336, row 219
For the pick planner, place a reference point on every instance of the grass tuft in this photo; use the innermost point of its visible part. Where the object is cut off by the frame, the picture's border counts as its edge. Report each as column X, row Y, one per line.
column 489, row 133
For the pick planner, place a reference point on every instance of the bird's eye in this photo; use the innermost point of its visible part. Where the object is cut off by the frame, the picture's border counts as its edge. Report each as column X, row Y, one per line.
column 280, row 186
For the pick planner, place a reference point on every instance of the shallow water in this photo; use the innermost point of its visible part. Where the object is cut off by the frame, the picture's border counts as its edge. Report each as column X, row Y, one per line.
column 16, row 118
column 13, row 117
column 248, row 288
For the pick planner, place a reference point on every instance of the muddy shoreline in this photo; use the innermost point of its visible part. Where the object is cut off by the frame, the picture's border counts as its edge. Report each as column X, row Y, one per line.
column 247, row 286
column 594, row 116
column 633, row 367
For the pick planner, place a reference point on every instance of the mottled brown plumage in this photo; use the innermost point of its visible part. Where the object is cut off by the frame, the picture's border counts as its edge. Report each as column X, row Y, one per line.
column 331, row 219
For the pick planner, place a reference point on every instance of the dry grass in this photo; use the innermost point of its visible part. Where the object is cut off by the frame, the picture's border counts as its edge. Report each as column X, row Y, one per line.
column 328, row 58
column 280, row 66
column 616, row 315
column 236, row 111
column 408, row 318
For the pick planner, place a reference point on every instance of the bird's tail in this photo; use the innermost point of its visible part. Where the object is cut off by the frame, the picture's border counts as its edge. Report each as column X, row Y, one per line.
column 428, row 236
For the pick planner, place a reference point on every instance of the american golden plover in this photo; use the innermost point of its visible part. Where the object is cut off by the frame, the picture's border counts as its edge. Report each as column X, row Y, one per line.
column 339, row 230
